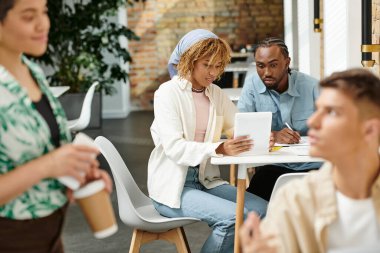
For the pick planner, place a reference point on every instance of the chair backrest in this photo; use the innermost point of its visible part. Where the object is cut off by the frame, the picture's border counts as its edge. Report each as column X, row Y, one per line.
column 128, row 193
column 284, row 179
column 85, row 113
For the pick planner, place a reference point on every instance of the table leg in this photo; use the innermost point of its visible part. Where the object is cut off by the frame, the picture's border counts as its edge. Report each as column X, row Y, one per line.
column 232, row 175
column 241, row 185
column 235, row 82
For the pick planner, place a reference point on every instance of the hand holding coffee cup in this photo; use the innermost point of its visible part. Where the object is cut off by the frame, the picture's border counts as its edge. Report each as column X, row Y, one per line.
column 95, row 203
column 87, row 147
column 93, row 198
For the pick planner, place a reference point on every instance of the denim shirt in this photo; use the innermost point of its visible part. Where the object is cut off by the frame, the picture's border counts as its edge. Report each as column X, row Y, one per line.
column 293, row 106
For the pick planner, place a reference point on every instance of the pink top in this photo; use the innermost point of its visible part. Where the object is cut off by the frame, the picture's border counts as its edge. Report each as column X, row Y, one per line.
column 202, row 105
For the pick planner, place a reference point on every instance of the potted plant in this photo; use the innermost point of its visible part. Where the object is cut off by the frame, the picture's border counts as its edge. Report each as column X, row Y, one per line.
column 85, row 46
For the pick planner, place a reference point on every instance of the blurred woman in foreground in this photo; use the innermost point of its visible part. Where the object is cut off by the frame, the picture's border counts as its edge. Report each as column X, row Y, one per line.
column 34, row 138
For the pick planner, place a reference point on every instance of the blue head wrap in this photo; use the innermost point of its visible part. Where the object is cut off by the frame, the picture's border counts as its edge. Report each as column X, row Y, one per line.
column 185, row 43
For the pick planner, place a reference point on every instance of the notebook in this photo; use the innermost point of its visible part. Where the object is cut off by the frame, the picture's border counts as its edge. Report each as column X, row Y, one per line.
column 257, row 125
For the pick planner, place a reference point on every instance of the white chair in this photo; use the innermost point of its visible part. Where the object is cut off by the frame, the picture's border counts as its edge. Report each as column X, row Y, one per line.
column 85, row 114
column 136, row 209
column 284, row 179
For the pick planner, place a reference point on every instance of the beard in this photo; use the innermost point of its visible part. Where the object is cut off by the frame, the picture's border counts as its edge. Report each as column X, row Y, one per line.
column 273, row 83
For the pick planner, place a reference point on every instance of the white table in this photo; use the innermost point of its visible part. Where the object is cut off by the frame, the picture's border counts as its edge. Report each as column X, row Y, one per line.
column 58, row 90
column 284, row 155
column 233, row 93
column 237, row 68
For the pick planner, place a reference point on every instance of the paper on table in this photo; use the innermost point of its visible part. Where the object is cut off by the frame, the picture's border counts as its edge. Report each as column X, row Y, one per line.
column 300, row 150
column 303, row 142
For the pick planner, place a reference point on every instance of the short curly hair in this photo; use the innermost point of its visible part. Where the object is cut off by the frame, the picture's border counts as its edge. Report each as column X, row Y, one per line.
column 215, row 48
column 361, row 85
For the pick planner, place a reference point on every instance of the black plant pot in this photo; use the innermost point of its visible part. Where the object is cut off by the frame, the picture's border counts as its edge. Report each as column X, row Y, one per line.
column 72, row 104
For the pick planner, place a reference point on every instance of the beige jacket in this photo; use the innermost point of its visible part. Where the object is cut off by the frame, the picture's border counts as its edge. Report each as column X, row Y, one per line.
column 302, row 211
column 173, row 132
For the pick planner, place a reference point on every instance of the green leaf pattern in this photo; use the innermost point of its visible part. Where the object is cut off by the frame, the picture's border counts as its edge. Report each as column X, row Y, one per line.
column 24, row 136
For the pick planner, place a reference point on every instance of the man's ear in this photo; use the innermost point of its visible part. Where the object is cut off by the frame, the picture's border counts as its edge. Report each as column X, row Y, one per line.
column 371, row 129
column 288, row 61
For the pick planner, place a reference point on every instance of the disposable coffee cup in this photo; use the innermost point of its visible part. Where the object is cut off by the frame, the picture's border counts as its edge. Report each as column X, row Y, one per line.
column 96, row 206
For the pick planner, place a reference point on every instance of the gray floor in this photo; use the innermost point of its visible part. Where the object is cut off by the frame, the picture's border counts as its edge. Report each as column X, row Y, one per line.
column 132, row 138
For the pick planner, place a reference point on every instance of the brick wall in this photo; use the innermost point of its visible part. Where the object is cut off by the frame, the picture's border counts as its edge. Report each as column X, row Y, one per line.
column 375, row 21
column 376, row 26
column 161, row 23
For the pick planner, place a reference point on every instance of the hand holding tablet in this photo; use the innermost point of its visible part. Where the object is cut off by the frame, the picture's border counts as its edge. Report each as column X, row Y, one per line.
column 256, row 125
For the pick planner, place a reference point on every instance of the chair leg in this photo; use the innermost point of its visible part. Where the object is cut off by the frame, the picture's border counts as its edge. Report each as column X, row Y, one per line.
column 136, row 241
column 185, row 239
column 177, row 236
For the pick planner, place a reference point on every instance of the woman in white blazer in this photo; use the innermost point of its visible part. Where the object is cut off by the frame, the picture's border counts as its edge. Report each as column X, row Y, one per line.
column 190, row 114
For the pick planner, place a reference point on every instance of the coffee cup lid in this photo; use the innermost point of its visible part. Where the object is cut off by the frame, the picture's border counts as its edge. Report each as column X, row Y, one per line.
column 89, row 189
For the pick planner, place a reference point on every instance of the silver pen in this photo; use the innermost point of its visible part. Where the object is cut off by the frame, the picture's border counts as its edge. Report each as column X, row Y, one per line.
column 287, row 125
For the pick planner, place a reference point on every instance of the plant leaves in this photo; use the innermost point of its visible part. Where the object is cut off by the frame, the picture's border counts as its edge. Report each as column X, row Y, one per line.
column 83, row 37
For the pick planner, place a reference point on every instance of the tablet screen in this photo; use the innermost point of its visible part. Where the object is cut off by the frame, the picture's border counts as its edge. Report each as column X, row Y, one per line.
column 257, row 125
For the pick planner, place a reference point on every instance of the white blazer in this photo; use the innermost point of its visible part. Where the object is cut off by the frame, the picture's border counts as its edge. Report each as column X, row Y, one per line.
column 173, row 131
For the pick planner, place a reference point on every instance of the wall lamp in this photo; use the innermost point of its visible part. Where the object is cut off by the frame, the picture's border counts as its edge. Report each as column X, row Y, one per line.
column 367, row 47
column 317, row 17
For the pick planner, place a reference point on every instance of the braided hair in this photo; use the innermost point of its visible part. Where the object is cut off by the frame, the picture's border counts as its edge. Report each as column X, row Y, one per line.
column 272, row 41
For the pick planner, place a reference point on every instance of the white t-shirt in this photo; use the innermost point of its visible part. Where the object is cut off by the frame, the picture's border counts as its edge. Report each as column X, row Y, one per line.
column 356, row 226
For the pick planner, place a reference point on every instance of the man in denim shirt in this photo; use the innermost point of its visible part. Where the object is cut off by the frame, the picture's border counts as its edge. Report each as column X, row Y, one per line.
column 290, row 96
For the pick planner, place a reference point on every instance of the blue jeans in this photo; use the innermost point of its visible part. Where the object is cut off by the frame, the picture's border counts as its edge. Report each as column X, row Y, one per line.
column 216, row 206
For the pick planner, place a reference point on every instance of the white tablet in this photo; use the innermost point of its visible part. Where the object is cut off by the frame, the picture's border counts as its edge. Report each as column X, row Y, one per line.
column 258, row 126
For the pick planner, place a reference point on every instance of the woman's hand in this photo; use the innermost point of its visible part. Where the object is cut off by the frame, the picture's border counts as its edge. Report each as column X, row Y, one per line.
column 77, row 161
column 252, row 241
column 97, row 173
column 70, row 160
column 235, row 146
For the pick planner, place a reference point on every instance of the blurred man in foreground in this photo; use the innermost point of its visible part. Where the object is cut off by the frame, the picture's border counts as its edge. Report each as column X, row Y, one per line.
column 338, row 206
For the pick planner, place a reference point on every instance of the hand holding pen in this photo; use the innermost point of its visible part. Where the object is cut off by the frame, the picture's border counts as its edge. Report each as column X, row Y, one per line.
column 287, row 135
